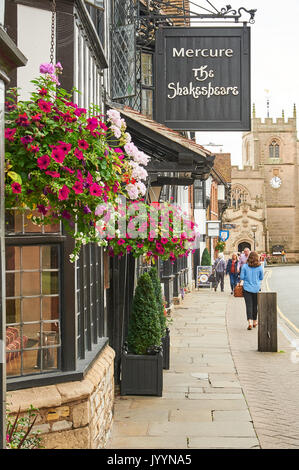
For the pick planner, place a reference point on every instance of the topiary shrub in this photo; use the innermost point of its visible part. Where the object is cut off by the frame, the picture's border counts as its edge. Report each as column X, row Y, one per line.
column 144, row 335
column 159, row 299
column 206, row 258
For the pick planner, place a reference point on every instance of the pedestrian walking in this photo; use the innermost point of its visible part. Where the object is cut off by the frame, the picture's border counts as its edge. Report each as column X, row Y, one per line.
column 283, row 256
column 219, row 267
column 252, row 274
column 243, row 259
column 232, row 271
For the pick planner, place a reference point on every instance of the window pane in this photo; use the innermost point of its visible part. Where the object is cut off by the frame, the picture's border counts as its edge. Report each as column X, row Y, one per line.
column 50, row 334
column 13, row 258
column 13, row 284
column 31, row 309
column 30, row 257
column 50, row 307
column 50, row 257
column 31, row 335
column 50, row 282
column 13, row 311
column 13, row 222
column 147, row 102
column 31, row 283
column 31, row 362
column 146, row 69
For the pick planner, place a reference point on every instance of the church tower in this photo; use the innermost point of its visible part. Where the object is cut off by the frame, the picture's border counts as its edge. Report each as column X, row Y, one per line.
column 272, row 147
column 270, row 188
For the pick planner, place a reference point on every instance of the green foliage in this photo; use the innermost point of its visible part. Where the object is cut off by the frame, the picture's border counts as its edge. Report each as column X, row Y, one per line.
column 220, row 246
column 19, row 434
column 144, row 327
column 158, row 293
column 206, row 258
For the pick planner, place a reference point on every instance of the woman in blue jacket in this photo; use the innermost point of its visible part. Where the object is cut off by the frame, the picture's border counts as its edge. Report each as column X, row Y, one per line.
column 252, row 274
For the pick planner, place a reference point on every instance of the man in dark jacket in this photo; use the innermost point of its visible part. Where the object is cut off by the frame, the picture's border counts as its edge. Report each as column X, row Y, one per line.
column 219, row 267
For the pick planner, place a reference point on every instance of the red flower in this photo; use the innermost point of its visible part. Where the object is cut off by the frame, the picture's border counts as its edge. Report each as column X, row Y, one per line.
column 42, row 209
column 64, row 146
column 63, row 193
column 34, row 148
column 16, row 188
column 43, row 91
column 83, row 144
column 44, row 106
column 22, row 120
column 78, row 187
column 36, row 117
column 43, row 162
column 79, row 154
column 58, row 155
column 95, row 190
column 92, row 124
column 54, row 174
column 9, row 134
column 80, row 111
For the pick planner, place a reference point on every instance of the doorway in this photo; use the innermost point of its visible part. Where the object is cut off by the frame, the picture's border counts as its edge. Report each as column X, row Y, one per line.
column 243, row 245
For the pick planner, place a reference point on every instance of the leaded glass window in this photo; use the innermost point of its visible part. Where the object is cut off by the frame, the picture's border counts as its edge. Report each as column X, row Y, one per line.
column 274, row 149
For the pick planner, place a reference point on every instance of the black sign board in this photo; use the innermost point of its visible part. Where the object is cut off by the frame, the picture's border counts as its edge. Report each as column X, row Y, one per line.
column 202, row 276
column 202, row 78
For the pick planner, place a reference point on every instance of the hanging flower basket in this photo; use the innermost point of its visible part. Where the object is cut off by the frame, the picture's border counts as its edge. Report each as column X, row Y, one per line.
column 157, row 231
column 63, row 161
column 220, row 246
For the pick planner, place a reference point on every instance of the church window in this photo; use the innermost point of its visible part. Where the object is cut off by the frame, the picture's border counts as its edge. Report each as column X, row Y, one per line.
column 238, row 196
column 274, row 149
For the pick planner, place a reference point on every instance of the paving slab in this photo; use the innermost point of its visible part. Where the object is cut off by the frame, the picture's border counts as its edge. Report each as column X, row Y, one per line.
column 203, row 405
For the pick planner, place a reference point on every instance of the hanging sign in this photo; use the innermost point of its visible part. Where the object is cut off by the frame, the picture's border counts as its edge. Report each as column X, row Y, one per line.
column 224, row 235
column 203, row 78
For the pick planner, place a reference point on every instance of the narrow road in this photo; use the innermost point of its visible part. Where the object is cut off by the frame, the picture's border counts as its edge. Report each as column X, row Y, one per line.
column 285, row 281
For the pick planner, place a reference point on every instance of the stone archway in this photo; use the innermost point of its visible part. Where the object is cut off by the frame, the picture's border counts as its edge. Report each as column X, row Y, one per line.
column 243, row 245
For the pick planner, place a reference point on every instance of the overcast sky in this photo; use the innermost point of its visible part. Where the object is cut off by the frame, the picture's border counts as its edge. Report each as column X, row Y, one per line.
column 274, row 65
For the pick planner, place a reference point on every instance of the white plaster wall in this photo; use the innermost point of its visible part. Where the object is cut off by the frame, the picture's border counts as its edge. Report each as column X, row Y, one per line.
column 34, row 40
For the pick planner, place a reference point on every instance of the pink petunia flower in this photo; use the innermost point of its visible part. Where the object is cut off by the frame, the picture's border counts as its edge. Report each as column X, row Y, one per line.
column 63, row 193
column 47, row 68
column 16, row 188
column 121, row 241
column 34, row 148
column 54, row 174
column 79, row 154
column 79, row 111
column 44, row 106
column 58, row 155
column 96, row 190
column 43, row 162
column 78, row 187
column 22, row 120
column 83, row 144
column 42, row 209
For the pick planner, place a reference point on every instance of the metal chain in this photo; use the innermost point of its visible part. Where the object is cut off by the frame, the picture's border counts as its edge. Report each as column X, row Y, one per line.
column 53, row 32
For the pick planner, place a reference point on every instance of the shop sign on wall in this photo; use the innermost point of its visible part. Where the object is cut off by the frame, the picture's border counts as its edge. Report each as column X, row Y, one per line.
column 203, row 78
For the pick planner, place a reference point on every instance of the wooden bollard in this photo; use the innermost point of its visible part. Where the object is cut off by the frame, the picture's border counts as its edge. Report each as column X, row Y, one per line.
column 267, row 320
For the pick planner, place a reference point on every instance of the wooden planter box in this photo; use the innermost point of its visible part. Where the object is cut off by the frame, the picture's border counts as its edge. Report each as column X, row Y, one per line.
column 166, row 350
column 141, row 374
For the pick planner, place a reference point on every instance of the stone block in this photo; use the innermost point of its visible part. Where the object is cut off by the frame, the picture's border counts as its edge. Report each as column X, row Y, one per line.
column 40, row 397
column 72, row 391
column 81, row 414
column 62, row 425
column 41, row 428
column 72, row 439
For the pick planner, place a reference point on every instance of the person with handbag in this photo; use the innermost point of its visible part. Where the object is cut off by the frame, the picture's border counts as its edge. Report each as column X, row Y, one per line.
column 219, row 268
column 232, row 270
column 252, row 274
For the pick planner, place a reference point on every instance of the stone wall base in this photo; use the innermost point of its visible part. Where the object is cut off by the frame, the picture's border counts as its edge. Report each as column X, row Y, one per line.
column 73, row 415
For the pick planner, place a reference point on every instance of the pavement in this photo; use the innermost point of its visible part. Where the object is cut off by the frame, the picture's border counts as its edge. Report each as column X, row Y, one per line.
column 220, row 392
